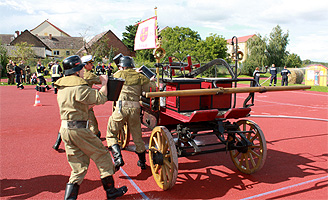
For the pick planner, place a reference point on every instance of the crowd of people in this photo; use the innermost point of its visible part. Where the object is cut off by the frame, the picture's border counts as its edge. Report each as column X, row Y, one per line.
column 21, row 73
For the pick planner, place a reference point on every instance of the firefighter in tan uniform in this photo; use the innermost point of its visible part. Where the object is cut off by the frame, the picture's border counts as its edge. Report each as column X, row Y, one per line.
column 91, row 78
column 74, row 99
column 128, row 110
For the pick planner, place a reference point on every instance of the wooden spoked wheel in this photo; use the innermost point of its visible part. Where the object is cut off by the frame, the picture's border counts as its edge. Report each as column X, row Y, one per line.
column 124, row 136
column 163, row 157
column 249, row 158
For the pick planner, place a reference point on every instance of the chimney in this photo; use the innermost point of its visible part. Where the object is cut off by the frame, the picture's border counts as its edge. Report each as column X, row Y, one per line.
column 50, row 36
column 16, row 33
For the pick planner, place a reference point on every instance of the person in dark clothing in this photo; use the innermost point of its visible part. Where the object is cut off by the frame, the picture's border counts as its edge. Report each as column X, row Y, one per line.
column 10, row 72
column 40, row 74
column 23, row 75
column 98, row 69
column 256, row 74
column 56, row 73
column 284, row 75
column 18, row 76
column 273, row 72
column 28, row 74
column 110, row 69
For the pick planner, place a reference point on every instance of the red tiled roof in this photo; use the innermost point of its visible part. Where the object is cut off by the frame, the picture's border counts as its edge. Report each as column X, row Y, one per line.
column 242, row 39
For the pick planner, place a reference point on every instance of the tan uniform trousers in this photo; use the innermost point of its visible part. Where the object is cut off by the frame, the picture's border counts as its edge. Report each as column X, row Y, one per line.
column 81, row 145
column 93, row 123
column 116, row 122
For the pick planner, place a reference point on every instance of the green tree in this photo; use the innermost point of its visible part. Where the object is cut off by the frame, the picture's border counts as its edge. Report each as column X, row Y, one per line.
column 129, row 35
column 23, row 51
column 276, row 47
column 180, row 41
column 100, row 49
column 3, row 56
column 293, row 60
column 307, row 62
column 213, row 47
column 256, row 54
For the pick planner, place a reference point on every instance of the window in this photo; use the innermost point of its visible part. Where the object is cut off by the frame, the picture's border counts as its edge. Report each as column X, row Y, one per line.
column 56, row 53
column 67, row 53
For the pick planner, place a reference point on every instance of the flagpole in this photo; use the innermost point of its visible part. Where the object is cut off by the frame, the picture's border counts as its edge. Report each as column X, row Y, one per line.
column 157, row 60
column 158, row 53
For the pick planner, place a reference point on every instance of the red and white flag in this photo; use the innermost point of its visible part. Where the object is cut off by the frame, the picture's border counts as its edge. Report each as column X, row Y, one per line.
column 146, row 35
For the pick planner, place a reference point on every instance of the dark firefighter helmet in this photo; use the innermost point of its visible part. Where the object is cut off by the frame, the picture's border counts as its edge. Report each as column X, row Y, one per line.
column 72, row 64
column 116, row 59
column 126, row 61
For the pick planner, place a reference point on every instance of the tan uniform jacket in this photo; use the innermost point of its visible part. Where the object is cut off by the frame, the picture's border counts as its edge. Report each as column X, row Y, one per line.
column 81, row 96
column 135, row 83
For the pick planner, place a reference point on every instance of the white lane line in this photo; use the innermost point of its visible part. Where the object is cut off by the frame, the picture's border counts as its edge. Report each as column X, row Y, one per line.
column 291, row 117
column 284, row 188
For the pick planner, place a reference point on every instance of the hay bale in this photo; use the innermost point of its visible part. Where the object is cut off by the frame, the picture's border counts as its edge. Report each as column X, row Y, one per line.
column 296, row 76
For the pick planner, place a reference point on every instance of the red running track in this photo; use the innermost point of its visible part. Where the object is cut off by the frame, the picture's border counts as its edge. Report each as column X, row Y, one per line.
column 295, row 168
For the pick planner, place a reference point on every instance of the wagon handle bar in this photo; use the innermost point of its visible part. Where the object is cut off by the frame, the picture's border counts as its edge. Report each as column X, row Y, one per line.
column 221, row 90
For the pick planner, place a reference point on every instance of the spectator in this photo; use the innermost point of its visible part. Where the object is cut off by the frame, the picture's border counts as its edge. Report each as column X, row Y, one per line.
column 28, row 74
column 22, row 66
column 273, row 72
column 98, row 69
column 18, row 75
column 284, row 76
column 110, row 69
column 10, row 72
column 34, row 79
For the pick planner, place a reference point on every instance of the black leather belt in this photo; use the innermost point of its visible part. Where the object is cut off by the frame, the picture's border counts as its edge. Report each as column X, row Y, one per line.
column 74, row 124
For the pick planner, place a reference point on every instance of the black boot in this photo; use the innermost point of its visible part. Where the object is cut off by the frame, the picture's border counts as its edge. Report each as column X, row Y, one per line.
column 118, row 160
column 71, row 191
column 142, row 160
column 111, row 191
column 58, row 141
column 55, row 90
column 48, row 88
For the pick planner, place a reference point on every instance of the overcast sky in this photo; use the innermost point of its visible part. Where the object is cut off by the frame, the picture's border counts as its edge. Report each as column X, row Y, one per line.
column 306, row 21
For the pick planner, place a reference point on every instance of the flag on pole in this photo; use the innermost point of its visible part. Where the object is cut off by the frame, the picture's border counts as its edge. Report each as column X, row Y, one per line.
column 146, row 34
